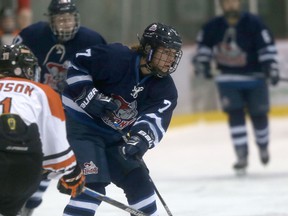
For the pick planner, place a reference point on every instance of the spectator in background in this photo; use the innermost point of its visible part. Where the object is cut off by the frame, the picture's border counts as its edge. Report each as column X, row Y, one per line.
column 24, row 14
column 8, row 27
column 24, row 18
column 245, row 55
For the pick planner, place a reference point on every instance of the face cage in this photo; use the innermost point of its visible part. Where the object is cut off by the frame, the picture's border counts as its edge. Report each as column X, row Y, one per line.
column 157, row 71
column 65, row 35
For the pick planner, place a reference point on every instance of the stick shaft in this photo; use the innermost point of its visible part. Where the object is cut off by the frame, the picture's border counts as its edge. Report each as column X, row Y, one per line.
column 113, row 202
column 284, row 79
column 145, row 168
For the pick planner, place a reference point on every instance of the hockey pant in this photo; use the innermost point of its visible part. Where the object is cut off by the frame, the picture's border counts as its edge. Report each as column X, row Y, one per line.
column 20, row 163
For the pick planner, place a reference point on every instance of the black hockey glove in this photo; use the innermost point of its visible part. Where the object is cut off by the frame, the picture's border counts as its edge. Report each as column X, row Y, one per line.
column 202, row 69
column 271, row 72
column 73, row 183
column 95, row 103
column 135, row 147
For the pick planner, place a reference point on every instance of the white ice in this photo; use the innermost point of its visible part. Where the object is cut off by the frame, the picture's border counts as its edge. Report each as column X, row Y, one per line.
column 192, row 169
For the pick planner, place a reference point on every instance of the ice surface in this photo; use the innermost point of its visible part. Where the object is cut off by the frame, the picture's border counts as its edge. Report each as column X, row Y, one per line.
column 192, row 169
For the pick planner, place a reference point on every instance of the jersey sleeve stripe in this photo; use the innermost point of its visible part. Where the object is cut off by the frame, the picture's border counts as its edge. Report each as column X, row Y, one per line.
column 76, row 79
column 63, row 153
column 61, row 165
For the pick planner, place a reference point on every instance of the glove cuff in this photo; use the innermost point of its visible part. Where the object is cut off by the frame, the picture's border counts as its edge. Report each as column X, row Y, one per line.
column 145, row 137
column 85, row 97
column 269, row 68
column 73, row 176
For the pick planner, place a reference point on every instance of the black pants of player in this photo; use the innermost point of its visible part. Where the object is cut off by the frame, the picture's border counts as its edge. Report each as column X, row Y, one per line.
column 20, row 163
column 20, row 177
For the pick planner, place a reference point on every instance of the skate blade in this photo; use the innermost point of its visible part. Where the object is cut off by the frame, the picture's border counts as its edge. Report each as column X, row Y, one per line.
column 240, row 172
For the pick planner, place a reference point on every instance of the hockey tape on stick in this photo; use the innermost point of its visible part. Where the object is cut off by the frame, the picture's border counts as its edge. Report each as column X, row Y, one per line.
column 113, row 202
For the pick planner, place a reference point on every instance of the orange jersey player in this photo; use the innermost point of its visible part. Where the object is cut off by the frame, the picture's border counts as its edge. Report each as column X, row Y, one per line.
column 31, row 118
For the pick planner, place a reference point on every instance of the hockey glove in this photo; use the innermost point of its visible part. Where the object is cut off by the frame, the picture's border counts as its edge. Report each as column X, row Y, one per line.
column 202, row 69
column 135, row 147
column 73, row 183
column 272, row 73
column 95, row 103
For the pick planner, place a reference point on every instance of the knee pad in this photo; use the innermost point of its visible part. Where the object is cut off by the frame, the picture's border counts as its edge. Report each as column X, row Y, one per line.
column 259, row 121
column 136, row 185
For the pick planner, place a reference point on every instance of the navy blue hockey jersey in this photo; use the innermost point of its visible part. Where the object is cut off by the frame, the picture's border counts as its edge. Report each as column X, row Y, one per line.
column 240, row 49
column 54, row 57
column 145, row 103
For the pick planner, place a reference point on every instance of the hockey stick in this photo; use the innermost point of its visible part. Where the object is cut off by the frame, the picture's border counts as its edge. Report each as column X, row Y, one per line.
column 113, row 202
column 283, row 79
column 143, row 165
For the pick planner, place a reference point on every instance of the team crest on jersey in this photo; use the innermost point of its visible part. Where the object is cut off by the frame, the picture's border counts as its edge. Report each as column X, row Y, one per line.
column 228, row 51
column 124, row 116
column 90, row 168
column 57, row 75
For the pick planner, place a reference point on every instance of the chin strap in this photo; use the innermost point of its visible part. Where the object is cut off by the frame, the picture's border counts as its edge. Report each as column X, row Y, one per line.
column 147, row 66
column 144, row 65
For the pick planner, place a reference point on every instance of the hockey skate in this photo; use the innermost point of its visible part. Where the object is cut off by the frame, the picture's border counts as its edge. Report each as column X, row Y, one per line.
column 264, row 155
column 240, row 166
column 25, row 211
column 29, row 206
column 242, row 161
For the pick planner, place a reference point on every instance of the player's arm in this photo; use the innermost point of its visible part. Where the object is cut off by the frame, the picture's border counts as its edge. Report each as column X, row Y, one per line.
column 59, row 159
column 82, row 89
column 150, row 127
column 267, row 52
column 203, row 56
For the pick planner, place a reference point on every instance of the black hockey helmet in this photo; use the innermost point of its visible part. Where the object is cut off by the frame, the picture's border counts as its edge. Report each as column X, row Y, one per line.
column 64, row 28
column 17, row 60
column 160, row 35
column 62, row 6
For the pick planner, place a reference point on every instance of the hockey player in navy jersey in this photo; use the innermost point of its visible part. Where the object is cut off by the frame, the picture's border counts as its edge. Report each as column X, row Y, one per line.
column 245, row 55
column 54, row 43
column 114, row 90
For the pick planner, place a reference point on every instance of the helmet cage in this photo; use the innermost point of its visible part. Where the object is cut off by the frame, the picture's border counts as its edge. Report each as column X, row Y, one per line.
column 60, row 31
column 155, row 70
column 61, row 28
column 19, row 61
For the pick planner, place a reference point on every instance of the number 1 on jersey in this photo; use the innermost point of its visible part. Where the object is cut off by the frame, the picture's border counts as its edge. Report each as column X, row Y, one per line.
column 6, row 105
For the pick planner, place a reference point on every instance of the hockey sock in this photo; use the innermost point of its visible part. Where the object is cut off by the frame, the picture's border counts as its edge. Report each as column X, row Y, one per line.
column 36, row 199
column 139, row 191
column 83, row 204
column 261, row 130
column 238, row 129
